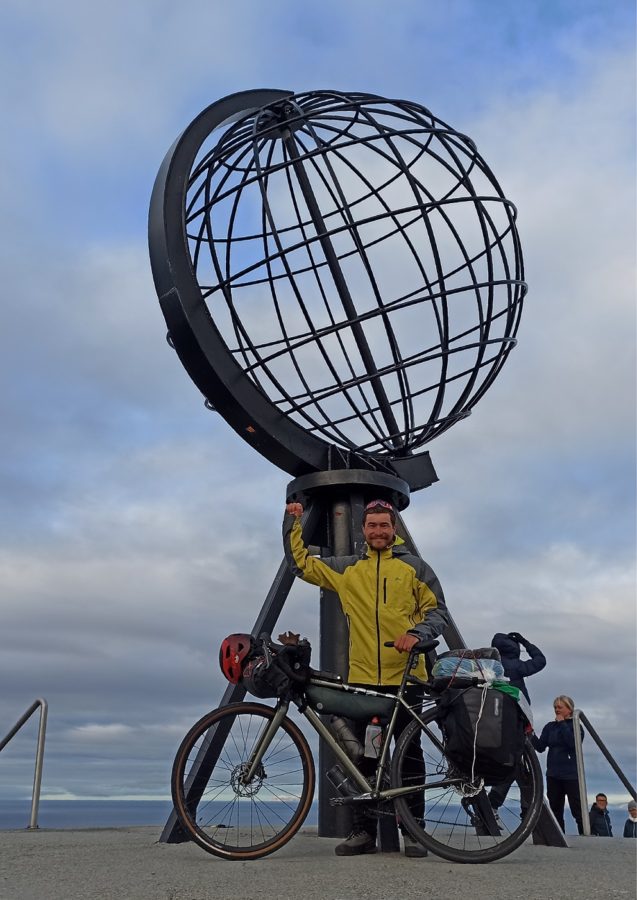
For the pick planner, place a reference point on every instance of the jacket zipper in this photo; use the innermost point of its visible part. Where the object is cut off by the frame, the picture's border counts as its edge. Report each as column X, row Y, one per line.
column 377, row 618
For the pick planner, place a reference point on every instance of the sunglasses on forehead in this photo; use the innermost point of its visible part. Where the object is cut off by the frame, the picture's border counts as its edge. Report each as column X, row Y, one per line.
column 382, row 503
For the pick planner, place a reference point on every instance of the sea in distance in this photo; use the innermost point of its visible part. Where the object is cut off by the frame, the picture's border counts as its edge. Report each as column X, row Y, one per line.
column 16, row 814
column 95, row 813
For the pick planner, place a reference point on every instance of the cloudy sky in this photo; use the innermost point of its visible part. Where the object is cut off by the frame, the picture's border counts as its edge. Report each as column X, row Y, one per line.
column 137, row 529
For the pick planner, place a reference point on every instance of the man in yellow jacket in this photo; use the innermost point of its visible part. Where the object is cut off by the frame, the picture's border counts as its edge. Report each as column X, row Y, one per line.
column 387, row 594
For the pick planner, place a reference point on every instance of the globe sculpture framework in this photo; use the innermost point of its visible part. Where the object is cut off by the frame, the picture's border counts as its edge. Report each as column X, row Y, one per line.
column 342, row 278
column 341, row 275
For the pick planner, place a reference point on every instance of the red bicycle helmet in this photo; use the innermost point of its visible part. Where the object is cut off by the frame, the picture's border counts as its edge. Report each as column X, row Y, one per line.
column 234, row 650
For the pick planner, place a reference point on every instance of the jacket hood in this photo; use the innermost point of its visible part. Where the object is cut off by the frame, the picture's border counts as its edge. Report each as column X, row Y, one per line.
column 506, row 645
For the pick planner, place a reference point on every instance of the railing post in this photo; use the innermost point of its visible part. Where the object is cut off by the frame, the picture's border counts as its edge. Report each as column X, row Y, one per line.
column 39, row 754
column 579, row 759
column 581, row 775
column 39, row 759
column 602, row 746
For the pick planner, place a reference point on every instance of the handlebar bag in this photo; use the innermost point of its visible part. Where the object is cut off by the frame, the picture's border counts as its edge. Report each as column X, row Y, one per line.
column 277, row 673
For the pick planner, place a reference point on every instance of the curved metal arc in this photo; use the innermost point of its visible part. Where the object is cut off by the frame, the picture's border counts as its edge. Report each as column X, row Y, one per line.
column 400, row 436
column 398, row 304
column 316, row 337
column 342, row 211
column 194, row 334
column 283, row 254
column 340, row 283
column 420, row 208
column 220, row 406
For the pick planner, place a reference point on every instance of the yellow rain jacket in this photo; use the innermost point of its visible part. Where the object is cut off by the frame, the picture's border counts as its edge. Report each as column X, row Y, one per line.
column 383, row 595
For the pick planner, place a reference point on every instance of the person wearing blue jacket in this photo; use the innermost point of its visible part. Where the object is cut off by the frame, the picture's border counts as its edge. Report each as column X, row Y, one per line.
column 630, row 825
column 599, row 817
column 561, row 768
column 516, row 670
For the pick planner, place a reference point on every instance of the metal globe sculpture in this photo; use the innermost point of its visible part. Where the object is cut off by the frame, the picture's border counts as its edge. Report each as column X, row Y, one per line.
column 341, row 275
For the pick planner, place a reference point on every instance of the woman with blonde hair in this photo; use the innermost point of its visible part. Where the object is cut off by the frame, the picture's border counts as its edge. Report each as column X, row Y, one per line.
column 561, row 768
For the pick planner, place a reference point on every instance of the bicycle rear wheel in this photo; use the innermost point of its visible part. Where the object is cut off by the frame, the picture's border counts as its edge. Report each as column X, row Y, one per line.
column 221, row 812
column 457, row 822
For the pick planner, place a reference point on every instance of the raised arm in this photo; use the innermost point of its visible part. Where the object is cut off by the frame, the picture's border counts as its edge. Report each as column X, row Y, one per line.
column 323, row 573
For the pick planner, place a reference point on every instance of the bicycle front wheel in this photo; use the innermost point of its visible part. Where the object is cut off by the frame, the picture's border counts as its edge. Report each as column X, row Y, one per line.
column 226, row 814
column 453, row 817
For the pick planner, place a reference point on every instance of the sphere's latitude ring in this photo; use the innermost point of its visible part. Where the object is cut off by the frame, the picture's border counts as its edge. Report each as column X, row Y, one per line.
column 196, row 339
column 373, row 486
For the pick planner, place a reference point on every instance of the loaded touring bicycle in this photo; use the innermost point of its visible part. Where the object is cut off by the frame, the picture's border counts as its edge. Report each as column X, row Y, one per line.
column 243, row 778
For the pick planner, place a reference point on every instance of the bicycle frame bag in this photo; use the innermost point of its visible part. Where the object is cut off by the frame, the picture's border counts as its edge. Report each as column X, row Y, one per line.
column 339, row 701
column 483, row 730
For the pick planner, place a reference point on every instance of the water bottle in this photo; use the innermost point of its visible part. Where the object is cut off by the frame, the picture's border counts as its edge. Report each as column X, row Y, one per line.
column 346, row 739
column 373, row 739
column 342, row 782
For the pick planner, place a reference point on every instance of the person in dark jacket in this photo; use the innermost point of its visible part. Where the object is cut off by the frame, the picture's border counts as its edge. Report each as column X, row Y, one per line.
column 599, row 817
column 561, row 768
column 630, row 825
column 516, row 670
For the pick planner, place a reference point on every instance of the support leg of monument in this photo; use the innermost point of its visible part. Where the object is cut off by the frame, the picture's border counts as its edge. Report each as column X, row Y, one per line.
column 334, row 655
column 173, row 833
column 213, row 743
column 547, row 832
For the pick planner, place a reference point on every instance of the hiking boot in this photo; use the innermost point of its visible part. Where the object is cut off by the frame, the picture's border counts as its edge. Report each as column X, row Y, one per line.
column 413, row 849
column 356, row 843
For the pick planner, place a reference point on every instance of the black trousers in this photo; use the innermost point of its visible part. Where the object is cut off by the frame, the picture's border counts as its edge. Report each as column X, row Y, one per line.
column 498, row 793
column 557, row 790
column 364, row 816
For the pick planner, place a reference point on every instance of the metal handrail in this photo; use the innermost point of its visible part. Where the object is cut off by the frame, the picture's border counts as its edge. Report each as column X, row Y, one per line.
column 578, row 716
column 39, row 753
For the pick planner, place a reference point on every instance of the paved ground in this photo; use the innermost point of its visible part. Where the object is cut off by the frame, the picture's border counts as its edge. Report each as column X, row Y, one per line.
column 130, row 864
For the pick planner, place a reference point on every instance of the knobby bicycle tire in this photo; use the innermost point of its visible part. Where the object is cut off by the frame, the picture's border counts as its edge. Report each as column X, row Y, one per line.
column 457, row 823
column 221, row 813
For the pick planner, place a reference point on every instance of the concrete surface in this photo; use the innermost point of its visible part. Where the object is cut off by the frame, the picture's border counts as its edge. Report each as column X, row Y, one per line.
column 130, row 864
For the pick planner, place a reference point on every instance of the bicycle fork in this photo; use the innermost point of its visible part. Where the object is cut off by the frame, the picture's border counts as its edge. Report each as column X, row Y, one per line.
column 263, row 742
